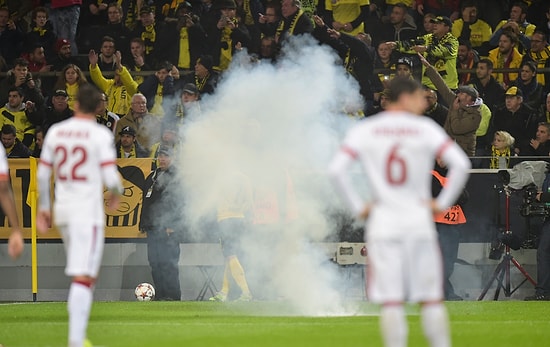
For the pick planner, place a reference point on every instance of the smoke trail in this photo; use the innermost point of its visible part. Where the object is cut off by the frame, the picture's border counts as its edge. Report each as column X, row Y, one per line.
column 279, row 126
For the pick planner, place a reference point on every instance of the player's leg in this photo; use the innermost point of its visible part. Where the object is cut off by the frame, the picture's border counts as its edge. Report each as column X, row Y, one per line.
column 237, row 272
column 426, row 287
column 385, row 286
column 84, row 252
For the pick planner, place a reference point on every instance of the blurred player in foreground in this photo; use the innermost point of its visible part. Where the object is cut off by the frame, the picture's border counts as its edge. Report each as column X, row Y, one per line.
column 397, row 150
column 80, row 153
column 15, row 242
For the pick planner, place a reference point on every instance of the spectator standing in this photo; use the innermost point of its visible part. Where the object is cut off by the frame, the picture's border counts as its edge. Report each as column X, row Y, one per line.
column 487, row 86
column 294, row 21
column 154, row 36
column 64, row 16
column 11, row 37
column 229, row 36
column 506, row 56
column 190, row 37
column 128, row 147
column 116, row 29
column 249, row 12
column 81, row 221
column 37, row 59
column 269, row 21
column 469, row 28
column 41, row 34
column 539, row 53
column 449, row 225
column 439, row 48
column 13, row 147
column 518, row 24
column 516, row 118
column 119, row 90
column 106, row 60
column 347, row 16
column 464, row 110
column 189, row 104
column 161, row 221
column 448, row 8
column 398, row 29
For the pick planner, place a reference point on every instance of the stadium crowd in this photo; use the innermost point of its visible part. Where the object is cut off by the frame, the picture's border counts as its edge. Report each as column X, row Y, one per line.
column 154, row 59
column 485, row 66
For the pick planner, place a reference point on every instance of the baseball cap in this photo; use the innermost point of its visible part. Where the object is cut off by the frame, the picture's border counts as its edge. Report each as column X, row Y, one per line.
column 60, row 92
column 127, row 130
column 146, row 10
column 60, row 43
column 190, row 88
column 442, row 19
column 164, row 150
column 405, row 61
column 471, row 91
column 514, row 91
column 207, row 61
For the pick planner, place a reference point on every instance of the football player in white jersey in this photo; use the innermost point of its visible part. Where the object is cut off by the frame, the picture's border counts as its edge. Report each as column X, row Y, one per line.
column 15, row 241
column 83, row 159
column 397, row 149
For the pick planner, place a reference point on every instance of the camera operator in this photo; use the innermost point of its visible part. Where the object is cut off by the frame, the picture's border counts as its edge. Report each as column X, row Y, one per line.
column 542, row 289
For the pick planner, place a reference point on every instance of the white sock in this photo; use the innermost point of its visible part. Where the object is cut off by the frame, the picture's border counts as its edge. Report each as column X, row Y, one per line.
column 79, row 305
column 393, row 324
column 435, row 323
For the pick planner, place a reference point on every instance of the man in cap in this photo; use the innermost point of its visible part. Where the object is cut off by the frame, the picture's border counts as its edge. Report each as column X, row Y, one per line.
column 56, row 111
column 518, row 119
column 63, row 56
column 464, row 114
column 440, row 48
column 128, row 147
column 104, row 116
column 404, row 68
column 161, row 221
column 189, row 104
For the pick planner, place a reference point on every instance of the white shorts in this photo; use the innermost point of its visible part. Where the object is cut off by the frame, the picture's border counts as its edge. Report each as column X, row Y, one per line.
column 84, row 248
column 405, row 270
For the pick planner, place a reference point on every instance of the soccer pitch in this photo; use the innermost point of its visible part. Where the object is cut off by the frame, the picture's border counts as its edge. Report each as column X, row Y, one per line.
column 205, row 324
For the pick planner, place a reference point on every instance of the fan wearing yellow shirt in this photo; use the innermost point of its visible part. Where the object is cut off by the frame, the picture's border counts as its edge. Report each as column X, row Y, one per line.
column 347, row 15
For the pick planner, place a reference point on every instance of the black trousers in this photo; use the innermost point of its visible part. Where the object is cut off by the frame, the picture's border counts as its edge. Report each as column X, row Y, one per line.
column 163, row 253
column 449, row 237
column 543, row 261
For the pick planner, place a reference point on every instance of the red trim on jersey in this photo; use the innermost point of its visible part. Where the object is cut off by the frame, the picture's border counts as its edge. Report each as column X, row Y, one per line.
column 43, row 162
column 107, row 163
column 393, row 303
column 444, row 147
column 88, row 284
column 4, row 177
column 349, row 151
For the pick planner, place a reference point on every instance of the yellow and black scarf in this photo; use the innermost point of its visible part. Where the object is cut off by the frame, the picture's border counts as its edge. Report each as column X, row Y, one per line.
column 496, row 154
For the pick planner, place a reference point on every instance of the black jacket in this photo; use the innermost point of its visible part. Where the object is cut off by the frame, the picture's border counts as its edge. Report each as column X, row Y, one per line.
column 162, row 206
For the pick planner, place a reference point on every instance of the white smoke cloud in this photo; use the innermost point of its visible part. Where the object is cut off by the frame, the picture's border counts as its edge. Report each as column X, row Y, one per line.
column 272, row 123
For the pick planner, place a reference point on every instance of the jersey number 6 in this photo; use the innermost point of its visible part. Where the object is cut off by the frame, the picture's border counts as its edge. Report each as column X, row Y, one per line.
column 396, row 167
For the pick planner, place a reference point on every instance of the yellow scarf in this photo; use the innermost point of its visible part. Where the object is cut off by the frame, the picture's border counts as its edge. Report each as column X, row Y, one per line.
column 290, row 30
column 248, row 19
column 131, row 155
column 200, row 82
column 225, row 52
column 184, row 59
column 496, row 155
column 40, row 31
column 149, row 36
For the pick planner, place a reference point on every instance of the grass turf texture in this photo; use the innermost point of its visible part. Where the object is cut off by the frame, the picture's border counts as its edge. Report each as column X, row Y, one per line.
column 204, row 324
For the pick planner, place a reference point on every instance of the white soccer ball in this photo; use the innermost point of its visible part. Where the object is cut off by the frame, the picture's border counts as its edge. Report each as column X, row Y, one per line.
column 145, row 292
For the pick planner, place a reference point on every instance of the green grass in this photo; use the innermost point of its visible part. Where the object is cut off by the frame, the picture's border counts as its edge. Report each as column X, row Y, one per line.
column 204, row 324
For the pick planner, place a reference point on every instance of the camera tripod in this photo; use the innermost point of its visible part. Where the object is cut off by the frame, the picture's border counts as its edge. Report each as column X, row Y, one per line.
column 502, row 272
